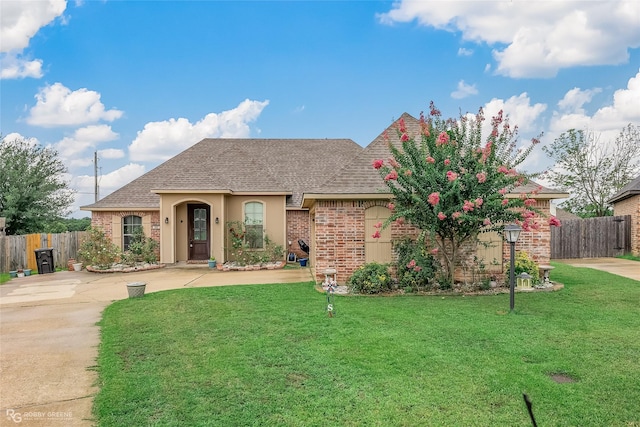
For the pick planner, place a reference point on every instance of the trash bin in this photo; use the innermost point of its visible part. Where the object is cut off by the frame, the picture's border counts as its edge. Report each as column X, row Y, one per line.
column 44, row 259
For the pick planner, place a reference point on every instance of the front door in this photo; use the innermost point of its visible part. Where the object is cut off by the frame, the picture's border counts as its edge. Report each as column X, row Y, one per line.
column 199, row 233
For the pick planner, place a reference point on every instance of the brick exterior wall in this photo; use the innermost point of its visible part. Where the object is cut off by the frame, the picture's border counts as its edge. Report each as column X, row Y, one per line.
column 103, row 220
column 631, row 206
column 536, row 243
column 340, row 238
column 298, row 227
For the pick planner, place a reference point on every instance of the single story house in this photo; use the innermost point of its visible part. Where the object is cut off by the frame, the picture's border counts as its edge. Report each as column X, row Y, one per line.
column 627, row 202
column 322, row 191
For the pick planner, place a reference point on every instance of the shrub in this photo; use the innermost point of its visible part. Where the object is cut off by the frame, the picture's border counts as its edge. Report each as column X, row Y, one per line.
column 243, row 246
column 416, row 268
column 97, row 250
column 141, row 249
column 372, row 278
column 524, row 264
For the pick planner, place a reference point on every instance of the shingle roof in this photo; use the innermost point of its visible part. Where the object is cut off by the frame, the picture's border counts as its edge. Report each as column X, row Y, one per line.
column 239, row 165
column 629, row 190
column 359, row 176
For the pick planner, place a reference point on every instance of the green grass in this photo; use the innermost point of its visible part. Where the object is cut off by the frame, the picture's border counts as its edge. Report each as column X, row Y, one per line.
column 270, row 356
column 630, row 257
column 4, row 277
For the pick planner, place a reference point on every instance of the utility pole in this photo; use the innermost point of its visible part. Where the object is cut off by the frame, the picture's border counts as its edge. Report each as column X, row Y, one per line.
column 95, row 171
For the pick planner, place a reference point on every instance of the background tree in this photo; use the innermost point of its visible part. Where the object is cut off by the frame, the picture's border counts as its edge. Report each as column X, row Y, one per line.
column 593, row 171
column 452, row 184
column 33, row 192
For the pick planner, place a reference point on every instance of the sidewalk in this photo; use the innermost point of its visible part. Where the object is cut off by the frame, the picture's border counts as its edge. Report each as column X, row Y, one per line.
column 49, row 338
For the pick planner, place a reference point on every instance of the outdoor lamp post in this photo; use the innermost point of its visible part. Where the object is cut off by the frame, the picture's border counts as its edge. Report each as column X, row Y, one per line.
column 511, row 234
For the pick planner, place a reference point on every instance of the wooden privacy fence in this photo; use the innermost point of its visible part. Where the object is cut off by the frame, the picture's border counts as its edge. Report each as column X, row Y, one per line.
column 18, row 251
column 607, row 236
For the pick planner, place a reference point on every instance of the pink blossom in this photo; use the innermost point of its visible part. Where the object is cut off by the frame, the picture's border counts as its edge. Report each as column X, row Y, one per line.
column 434, row 198
column 431, row 160
column 503, row 169
column 456, row 215
column 468, row 206
column 486, row 222
column 434, row 251
column 377, row 164
column 404, row 137
column 391, row 206
column 400, row 221
column 394, row 163
column 443, row 138
column 447, row 162
column 529, row 202
column 441, row 216
column 391, row 175
column 482, row 177
column 505, row 202
column 554, row 221
column 376, row 235
column 485, row 152
column 378, row 225
column 417, row 268
column 411, row 263
column 452, row 176
column 479, row 201
column 401, row 126
column 408, row 172
column 503, row 191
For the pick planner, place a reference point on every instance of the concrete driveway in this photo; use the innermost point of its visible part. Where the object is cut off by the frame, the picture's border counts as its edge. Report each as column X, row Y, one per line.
column 621, row 267
column 49, row 338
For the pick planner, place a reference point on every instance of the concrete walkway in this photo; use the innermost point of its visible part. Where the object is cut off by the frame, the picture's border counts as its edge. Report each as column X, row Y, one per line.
column 49, row 338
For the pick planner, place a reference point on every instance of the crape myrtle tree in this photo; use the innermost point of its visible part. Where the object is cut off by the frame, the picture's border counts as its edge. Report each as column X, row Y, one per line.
column 33, row 192
column 452, row 184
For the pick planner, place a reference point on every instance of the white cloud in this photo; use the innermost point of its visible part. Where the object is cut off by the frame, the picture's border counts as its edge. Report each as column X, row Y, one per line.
column 159, row 141
column 19, row 22
column 14, row 136
column 540, row 37
column 111, row 153
column 83, row 139
column 15, row 67
column 608, row 120
column 519, row 110
column 57, row 105
column 85, row 184
column 573, row 100
column 465, row 52
column 464, row 90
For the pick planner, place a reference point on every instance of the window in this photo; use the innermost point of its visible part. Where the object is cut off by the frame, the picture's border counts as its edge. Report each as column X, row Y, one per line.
column 254, row 224
column 130, row 224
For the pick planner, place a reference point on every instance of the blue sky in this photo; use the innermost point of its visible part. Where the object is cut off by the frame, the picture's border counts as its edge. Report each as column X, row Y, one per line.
column 140, row 81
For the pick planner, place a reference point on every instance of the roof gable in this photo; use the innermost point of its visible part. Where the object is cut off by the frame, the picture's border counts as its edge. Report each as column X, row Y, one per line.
column 629, row 190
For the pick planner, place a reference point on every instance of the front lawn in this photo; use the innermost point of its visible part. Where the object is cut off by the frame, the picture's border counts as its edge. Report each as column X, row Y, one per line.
column 269, row 355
